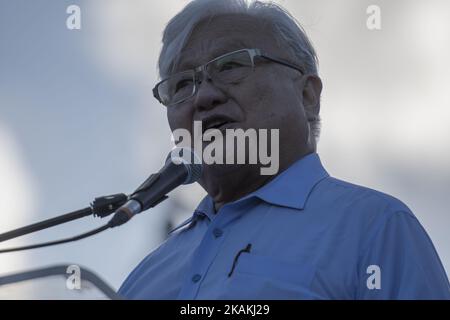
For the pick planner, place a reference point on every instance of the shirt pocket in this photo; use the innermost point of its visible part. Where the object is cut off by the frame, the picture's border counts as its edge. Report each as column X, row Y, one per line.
column 261, row 277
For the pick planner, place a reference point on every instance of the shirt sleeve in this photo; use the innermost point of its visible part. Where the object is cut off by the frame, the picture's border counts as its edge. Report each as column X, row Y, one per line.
column 400, row 262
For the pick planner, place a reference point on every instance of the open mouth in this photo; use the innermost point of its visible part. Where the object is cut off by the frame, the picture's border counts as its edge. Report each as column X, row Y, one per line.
column 217, row 122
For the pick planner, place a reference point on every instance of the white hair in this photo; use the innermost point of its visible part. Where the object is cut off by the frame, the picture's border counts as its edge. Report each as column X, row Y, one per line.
column 285, row 28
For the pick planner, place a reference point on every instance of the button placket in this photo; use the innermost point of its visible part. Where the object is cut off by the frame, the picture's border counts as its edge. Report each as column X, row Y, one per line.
column 204, row 257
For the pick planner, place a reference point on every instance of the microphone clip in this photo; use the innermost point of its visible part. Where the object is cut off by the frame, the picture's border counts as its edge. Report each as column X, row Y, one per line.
column 104, row 206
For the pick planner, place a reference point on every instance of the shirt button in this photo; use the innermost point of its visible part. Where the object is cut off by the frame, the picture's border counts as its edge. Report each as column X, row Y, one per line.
column 196, row 278
column 217, row 233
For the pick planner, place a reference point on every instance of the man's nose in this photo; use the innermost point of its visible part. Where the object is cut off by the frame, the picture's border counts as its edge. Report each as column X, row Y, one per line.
column 208, row 96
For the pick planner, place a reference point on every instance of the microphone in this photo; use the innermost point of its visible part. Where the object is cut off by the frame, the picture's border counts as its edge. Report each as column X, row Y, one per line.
column 182, row 166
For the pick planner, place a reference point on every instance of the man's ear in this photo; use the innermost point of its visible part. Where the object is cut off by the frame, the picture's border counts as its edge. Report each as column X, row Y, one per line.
column 312, row 87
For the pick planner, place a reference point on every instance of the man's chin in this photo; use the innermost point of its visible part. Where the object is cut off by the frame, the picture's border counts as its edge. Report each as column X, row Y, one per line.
column 224, row 170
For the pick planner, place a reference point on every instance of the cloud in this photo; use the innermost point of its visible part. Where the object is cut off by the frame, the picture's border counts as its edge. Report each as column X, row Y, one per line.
column 17, row 197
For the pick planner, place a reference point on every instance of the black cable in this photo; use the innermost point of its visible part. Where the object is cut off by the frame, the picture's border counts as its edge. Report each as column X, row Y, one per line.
column 51, row 243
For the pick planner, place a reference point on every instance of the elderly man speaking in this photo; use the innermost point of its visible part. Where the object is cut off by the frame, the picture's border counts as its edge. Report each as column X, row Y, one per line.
column 296, row 234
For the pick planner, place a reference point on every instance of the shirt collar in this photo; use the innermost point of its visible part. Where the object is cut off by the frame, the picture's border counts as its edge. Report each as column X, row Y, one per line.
column 290, row 188
column 205, row 208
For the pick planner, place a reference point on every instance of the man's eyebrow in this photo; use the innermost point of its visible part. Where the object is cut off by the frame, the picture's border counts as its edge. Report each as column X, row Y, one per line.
column 186, row 64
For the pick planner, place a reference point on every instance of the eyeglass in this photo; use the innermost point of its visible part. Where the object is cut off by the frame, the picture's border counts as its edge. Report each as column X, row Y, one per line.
column 229, row 68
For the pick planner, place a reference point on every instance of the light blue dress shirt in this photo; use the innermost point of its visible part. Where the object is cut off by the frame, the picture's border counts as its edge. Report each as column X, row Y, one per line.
column 304, row 235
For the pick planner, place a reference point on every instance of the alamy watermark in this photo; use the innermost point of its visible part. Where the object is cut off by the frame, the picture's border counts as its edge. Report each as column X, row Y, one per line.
column 241, row 146
column 374, row 278
column 73, row 21
column 73, row 281
column 373, row 21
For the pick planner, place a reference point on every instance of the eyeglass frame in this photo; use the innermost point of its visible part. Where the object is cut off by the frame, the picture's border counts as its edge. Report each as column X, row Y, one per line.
column 202, row 69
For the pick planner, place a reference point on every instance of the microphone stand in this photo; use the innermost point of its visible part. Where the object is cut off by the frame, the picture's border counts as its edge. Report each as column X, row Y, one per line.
column 100, row 207
column 124, row 207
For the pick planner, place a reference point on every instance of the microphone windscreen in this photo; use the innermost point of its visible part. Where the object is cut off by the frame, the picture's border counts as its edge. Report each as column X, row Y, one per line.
column 187, row 157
